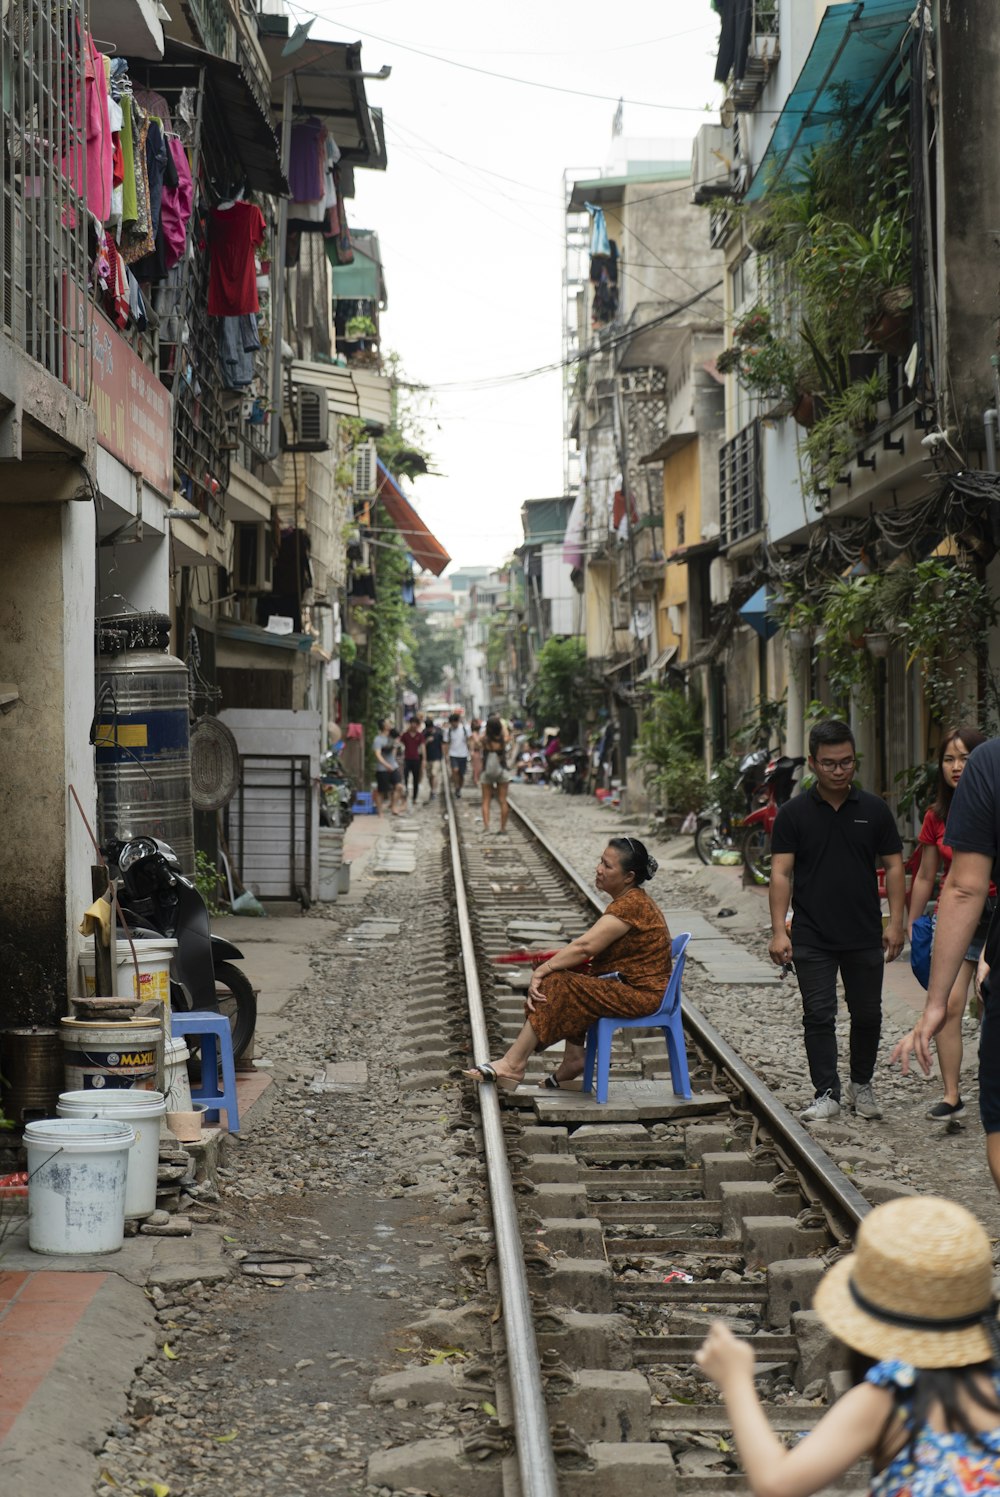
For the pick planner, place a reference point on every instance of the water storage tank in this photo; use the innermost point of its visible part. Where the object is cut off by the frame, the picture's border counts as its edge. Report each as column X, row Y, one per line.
column 141, row 736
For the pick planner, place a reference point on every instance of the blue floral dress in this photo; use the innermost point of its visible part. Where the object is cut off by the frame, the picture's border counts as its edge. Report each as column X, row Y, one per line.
column 942, row 1465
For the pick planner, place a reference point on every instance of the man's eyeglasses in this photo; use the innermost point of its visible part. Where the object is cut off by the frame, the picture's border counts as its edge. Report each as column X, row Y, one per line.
column 833, row 766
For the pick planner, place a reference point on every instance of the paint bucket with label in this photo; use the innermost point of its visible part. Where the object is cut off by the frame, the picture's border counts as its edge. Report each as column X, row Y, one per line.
column 144, row 1111
column 102, row 1056
column 76, row 1184
column 153, row 979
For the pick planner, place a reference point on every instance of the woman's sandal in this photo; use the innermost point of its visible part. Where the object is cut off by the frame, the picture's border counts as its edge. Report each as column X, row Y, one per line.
column 488, row 1073
column 552, row 1083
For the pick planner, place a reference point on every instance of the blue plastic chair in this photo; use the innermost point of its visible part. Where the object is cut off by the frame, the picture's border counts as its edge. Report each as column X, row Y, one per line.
column 667, row 1018
column 216, row 1038
column 363, row 803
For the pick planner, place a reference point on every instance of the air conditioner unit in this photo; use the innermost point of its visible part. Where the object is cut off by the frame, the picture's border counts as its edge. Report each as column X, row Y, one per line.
column 712, row 173
column 365, row 470
column 252, row 560
column 310, row 418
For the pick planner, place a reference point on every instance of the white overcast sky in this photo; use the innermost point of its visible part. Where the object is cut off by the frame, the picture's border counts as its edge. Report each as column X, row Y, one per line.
column 470, row 211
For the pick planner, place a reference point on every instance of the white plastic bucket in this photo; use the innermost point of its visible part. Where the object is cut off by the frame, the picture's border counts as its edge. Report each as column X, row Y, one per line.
column 144, row 1112
column 177, row 1085
column 153, row 981
column 106, row 1055
column 76, row 1184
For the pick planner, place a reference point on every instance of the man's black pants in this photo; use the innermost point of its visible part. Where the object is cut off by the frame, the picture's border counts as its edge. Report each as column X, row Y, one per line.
column 862, row 972
column 411, row 771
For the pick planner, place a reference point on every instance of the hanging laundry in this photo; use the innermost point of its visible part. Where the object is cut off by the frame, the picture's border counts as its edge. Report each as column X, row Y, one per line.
column 306, row 163
column 337, row 228
column 599, row 242
column 235, row 233
column 238, row 342
column 624, row 512
column 99, row 144
column 176, row 204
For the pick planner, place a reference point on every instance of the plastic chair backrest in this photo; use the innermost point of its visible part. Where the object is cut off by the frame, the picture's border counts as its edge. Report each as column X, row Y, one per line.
column 672, row 994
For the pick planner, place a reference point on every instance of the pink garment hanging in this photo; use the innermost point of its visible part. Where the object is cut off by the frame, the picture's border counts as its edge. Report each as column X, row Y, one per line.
column 100, row 147
column 175, row 206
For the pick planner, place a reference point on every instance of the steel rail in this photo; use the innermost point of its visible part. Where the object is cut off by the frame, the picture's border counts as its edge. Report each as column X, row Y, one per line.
column 805, row 1154
column 535, row 1458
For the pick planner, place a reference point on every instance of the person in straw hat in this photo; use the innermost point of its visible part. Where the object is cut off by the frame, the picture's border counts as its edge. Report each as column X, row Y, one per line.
column 914, row 1303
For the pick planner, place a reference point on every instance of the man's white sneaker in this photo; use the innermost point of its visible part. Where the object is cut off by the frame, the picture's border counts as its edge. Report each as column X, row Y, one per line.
column 861, row 1096
column 821, row 1110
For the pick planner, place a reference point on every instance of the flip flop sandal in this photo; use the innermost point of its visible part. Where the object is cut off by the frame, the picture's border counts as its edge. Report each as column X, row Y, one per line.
column 488, row 1073
column 552, row 1084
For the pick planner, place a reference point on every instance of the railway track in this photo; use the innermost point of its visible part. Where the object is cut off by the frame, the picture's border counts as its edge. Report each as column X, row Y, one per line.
column 622, row 1230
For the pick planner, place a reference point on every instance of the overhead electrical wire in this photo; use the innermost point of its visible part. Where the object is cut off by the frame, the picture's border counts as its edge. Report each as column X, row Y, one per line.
column 579, row 93
column 625, row 336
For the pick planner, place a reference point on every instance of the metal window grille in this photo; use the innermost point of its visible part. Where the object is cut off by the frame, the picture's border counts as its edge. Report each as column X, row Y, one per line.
column 43, row 222
column 740, row 506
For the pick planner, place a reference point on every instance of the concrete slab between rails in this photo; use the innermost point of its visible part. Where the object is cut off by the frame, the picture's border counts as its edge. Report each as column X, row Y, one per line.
column 612, row 1471
column 585, row 1340
column 599, row 1404
column 628, row 1102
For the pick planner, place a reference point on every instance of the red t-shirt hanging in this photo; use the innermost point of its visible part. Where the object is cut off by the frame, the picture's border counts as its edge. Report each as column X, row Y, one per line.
column 232, row 283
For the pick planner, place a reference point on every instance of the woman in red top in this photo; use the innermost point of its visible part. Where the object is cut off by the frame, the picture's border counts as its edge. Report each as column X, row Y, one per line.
column 935, row 854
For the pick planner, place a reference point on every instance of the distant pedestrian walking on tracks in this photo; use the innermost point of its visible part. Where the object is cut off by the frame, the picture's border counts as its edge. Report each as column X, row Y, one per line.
column 495, row 773
column 935, row 856
column 385, row 767
column 414, row 754
column 476, row 750
column 830, row 839
column 458, row 751
column 915, row 1305
column 433, row 754
column 974, row 839
column 630, row 939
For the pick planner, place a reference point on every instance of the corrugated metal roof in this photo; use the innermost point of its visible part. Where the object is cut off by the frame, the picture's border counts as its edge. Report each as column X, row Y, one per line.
column 857, row 46
column 374, row 396
column 336, row 380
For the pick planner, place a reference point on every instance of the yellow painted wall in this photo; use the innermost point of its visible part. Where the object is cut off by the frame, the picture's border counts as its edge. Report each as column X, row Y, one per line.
column 681, row 498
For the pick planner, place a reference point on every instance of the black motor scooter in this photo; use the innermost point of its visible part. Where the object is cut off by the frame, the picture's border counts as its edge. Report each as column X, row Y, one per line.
column 158, row 900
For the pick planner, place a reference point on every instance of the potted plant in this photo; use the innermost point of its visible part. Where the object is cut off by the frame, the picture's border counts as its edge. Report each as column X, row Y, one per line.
column 798, row 613
column 358, row 328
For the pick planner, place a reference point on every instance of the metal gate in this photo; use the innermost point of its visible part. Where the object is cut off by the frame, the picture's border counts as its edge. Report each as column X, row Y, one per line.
column 268, row 825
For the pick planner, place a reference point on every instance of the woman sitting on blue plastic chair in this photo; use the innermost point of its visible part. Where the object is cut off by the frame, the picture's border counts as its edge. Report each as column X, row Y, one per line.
column 631, row 939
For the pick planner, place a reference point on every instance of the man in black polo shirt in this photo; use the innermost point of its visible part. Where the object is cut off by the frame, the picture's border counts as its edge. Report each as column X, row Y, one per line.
column 974, row 838
column 831, row 838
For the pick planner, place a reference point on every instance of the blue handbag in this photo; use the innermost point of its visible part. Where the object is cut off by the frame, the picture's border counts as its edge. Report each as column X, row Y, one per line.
column 921, row 942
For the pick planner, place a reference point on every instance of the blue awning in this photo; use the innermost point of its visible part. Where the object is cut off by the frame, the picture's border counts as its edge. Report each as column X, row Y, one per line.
column 756, row 612
column 858, row 45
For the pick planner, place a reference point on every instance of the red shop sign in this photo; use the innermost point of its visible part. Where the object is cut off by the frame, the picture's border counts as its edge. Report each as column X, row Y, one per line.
column 134, row 411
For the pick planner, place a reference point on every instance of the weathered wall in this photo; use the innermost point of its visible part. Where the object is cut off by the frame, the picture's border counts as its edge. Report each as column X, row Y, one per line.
column 681, row 518
column 46, row 649
column 969, row 188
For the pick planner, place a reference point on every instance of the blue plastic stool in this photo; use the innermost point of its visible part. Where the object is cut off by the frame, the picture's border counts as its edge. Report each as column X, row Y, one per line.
column 363, row 803
column 667, row 1018
column 216, row 1046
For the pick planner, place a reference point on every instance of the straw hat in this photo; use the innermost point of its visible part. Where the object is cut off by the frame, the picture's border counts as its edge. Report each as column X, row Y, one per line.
column 918, row 1287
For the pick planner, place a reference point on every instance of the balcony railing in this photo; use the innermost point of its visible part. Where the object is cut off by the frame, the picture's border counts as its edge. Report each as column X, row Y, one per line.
column 741, row 511
column 43, row 219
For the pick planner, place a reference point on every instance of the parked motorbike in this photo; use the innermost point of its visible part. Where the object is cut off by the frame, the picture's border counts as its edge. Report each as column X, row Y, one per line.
column 715, row 830
column 337, row 793
column 780, row 780
column 158, row 900
column 570, row 773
